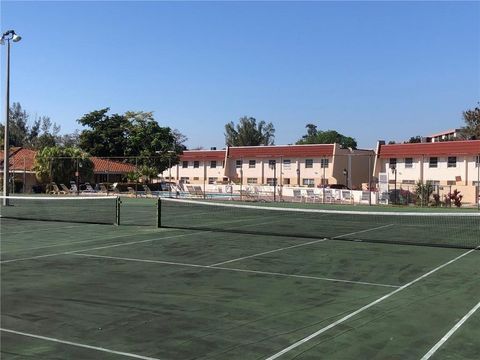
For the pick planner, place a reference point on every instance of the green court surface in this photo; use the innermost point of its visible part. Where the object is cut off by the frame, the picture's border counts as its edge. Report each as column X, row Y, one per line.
column 88, row 291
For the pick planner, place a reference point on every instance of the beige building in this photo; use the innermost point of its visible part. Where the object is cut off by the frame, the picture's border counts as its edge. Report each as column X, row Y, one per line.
column 290, row 165
column 449, row 165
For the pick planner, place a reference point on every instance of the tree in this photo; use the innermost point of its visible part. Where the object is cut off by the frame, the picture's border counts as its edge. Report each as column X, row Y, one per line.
column 314, row 136
column 59, row 164
column 414, row 139
column 42, row 133
column 248, row 133
column 471, row 130
column 107, row 134
column 133, row 134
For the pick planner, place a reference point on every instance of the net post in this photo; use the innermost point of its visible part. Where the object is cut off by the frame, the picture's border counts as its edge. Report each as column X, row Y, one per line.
column 159, row 213
column 117, row 210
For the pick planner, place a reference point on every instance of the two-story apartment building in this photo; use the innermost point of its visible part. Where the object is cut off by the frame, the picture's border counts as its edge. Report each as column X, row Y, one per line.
column 289, row 165
column 449, row 164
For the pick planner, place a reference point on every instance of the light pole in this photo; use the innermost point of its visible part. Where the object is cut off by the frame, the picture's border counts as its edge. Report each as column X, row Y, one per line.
column 298, row 176
column 394, row 171
column 323, row 180
column 241, row 184
column 274, row 167
column 345, row 173
column 6, row 37
column 169, row 152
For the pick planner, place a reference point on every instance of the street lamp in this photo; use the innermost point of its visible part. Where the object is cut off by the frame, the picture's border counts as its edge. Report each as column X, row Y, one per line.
column 273, row 166
column 345, row 173
column 298, row 176
column 6, row 37
column 394, row 171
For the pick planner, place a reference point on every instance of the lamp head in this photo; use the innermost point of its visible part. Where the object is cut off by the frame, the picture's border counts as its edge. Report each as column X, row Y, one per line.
column 2, row 42
column 16, row 38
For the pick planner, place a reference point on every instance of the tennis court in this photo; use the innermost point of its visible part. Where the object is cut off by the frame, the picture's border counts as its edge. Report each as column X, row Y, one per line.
column 223, row 282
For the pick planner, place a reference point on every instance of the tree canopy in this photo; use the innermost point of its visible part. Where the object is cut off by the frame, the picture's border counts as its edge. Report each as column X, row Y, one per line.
column 133, row 134
column 314, row 136
column 471, row 130
column 59, row 164
column 248, row 133
column 43, row 132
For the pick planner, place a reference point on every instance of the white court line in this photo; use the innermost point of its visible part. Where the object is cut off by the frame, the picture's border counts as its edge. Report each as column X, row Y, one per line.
column 450, row 333
column 298, row 245
column 73, row 242
column 97, row 348
column 234, row 269
column 48, row 229
column 267, row 252
column 362, row 231
column 98, row 247
column 373, row 303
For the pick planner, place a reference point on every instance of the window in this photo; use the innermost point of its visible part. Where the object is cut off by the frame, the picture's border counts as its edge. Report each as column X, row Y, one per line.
column 408, row 182
column 451, row 182
column 251, row 164
column 286, row 181
column 392, row 163
column 287, row 164
column 272, row 163
column 477, row 161
column 308, row 182
column 212, row 180
column 213, row 164
column 433, row 182
column 251, row 181
column 271, row 181
column 184, row 164
column 196, row 178
column 196, row 164
column 408, row 163
column 452, row 161
column 308, row 163
column 433, row 162
column 185, row 179
column 238, row 164
column 324, row 163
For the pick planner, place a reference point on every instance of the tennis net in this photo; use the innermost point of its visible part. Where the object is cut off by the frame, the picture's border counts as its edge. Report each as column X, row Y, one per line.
column 78, row 209
column 447, row 229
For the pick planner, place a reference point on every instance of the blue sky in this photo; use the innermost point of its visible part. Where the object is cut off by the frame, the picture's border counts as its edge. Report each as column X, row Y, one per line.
column 371, row 70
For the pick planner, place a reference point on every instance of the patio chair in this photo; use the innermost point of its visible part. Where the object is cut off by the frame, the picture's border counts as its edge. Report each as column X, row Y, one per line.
column 148, row 192
column 88, row 188
column 297, row 195
column 310, row 195
column 65, row 188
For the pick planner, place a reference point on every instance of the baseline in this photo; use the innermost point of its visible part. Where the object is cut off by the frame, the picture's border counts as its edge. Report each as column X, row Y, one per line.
column 358, row 311
column 97, row 348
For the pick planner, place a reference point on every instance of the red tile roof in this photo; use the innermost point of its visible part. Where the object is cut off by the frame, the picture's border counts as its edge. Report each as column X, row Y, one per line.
column 23, row 159
column 191, row 155
column 281, row 151
column 105, row 165
column 468, row 147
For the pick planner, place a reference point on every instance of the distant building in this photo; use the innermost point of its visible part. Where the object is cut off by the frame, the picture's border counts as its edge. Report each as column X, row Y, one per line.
column 291, row 165
column 449, row 165
column 22, row 168
column 448, row 135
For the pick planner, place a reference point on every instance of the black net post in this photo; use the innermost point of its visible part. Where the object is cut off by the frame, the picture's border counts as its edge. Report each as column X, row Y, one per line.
column 118, row 202
column 159, row 213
